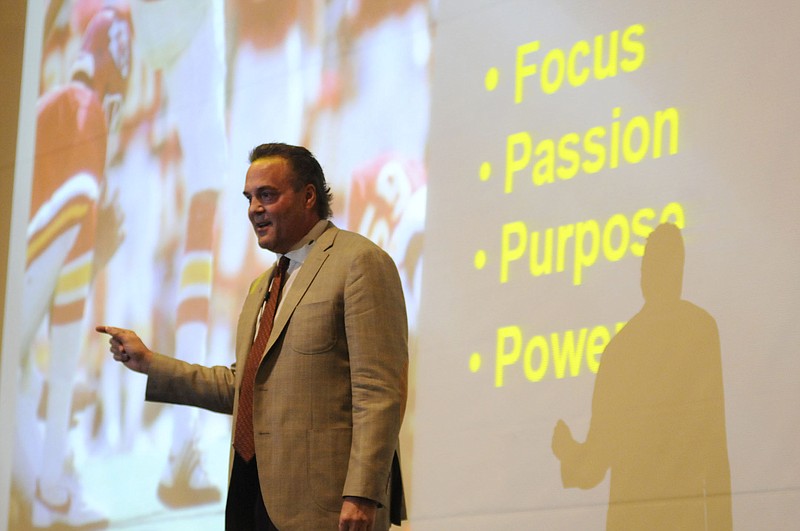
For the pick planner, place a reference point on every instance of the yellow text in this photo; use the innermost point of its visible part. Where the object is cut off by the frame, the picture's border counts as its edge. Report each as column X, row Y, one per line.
column 558, row 354
column 588, row 241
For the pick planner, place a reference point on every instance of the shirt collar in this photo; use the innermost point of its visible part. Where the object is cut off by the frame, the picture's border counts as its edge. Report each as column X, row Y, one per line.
column 300, row 251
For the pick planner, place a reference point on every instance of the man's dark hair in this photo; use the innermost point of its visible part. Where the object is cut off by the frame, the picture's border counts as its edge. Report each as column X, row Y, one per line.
column 305, row 170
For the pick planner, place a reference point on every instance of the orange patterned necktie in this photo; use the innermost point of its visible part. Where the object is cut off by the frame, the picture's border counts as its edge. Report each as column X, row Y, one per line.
column 244, row 440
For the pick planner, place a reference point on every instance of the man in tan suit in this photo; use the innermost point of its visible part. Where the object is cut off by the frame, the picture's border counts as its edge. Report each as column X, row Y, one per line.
column 330, row 388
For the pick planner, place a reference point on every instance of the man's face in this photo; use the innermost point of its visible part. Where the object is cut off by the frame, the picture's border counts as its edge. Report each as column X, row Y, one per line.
column 280, row 215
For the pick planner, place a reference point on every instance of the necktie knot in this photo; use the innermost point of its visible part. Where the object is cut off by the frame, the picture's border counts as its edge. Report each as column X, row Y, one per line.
column 283, row 266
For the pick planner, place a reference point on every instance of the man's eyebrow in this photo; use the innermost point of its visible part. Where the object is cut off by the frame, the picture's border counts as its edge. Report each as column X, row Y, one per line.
column 265, row 188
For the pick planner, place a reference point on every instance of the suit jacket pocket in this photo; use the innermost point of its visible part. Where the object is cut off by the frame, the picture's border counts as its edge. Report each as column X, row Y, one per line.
column 329, row 454
column 313, row 328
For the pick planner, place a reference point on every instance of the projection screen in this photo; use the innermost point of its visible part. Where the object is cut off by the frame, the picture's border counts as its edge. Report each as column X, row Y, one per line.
column 592, row 206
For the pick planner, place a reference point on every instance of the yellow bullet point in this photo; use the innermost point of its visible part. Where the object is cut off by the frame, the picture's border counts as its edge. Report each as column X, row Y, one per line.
column 486, row 171
column 480, row 260
column 475, row 362
column 491, row 79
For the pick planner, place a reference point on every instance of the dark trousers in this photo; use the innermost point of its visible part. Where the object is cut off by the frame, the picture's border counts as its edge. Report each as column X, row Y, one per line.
column 245, row 510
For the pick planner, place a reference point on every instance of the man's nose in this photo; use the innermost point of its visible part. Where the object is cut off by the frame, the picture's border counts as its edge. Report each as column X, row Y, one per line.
column 254, row 207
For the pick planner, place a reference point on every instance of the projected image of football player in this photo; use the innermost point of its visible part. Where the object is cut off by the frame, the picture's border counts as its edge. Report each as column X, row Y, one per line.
column 71, row 234
column 273, row 74
column 387, row 202
column 658, row 412
column 189, row 51
column 376, row 86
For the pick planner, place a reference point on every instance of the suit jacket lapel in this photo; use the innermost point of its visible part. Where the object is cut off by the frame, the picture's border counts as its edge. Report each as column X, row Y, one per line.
column 305, row 276
column 248, row 320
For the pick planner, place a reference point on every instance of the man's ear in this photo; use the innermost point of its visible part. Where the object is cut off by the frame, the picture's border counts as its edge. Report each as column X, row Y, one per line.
column 311, row 196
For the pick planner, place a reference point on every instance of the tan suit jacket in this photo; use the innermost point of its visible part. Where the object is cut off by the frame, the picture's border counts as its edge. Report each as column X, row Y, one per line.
column 330, row 392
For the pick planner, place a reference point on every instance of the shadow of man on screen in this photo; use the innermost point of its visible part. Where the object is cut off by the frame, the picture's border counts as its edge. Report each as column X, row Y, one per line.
column 658, row 414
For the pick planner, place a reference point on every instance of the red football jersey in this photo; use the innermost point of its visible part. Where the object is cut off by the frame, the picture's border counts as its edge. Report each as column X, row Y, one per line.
column 69, row 164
